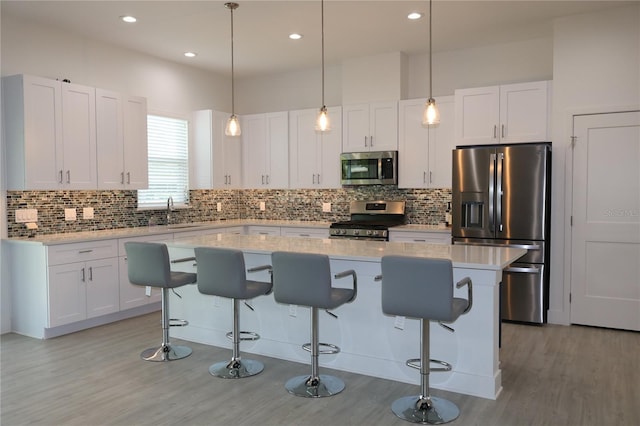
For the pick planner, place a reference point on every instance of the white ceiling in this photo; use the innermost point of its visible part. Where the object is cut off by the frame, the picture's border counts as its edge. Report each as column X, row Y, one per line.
column 167, row 29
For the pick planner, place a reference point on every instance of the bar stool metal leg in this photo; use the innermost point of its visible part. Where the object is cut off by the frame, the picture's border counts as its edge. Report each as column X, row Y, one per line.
column 236, row 367
column 424, row 408
column 167, row 351
column 316, row 385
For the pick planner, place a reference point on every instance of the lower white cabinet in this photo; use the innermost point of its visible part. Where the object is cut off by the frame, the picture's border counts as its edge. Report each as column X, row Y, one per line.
column 420, row 237
column 84, row 289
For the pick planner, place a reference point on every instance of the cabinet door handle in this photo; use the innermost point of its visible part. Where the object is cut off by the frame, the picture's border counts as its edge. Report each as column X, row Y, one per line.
column 263, row 179
column 313, row 178
column 424, row 177
column 122, row 178
column 267, row 179
column 502, row 131
column 128, row 178
column 68, row 176
column 85, row 251
column 365, row 141
column 318, row 178
column 370, row 140
column 90, row 273
column 495, row 130
column 60, row 181
column 83, row 277
column 430, row 177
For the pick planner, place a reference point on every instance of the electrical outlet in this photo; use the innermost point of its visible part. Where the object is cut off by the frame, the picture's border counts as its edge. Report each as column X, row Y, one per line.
column 87, row 213
column 69, row 214
column 399, row 323
column 293, row 311
column 219, row 207
column 26, row 215
column 326, row 207
column 263, row 207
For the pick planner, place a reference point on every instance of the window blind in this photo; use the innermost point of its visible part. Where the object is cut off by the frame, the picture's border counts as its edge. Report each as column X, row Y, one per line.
column 168, row 140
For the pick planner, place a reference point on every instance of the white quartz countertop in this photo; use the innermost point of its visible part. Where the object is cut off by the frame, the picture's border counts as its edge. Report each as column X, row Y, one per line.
column 473, row 257
column 78, row 237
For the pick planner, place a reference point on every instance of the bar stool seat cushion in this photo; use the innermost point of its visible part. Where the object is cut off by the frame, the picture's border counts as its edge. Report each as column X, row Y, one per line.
column 148, row 265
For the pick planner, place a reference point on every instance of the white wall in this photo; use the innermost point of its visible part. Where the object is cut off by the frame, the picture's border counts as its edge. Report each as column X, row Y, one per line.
column 28, row 48
column 596, row 68
column 5, row 290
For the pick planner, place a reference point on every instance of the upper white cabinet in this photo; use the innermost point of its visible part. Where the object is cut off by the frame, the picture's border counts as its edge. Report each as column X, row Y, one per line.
column 424, row 154
column 370, row 127
column 50, row 131
column 215, row 158
column 121, row 124
column 314, row 157
column 265, row 145
column 510, row 113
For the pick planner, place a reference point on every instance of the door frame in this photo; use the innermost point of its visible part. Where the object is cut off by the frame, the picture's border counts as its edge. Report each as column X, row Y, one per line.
column 568, row 192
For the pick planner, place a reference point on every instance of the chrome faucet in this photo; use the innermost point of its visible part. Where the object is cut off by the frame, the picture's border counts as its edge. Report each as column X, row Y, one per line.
column 169, row 209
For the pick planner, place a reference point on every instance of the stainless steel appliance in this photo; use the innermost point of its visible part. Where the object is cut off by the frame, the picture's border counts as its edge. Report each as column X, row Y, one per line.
column 370, row 220
column 501, row 196
column 369, row 168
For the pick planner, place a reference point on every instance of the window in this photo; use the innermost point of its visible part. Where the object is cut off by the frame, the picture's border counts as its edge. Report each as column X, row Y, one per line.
column 168, row 141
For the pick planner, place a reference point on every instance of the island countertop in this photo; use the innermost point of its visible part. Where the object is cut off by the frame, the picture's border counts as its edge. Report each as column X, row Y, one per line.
column 473, row 257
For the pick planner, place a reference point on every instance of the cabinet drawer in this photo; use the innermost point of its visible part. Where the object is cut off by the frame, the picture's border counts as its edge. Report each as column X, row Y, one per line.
column 81, row 252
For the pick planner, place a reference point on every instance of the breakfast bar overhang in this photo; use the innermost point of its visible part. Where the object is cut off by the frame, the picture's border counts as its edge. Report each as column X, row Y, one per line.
column 370, row 342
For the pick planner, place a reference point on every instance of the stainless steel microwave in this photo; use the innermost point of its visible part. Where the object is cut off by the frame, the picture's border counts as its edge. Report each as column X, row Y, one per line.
column 369, row 168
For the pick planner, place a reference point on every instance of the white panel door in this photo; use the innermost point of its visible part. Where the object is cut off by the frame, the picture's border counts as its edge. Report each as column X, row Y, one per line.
column 605, row 258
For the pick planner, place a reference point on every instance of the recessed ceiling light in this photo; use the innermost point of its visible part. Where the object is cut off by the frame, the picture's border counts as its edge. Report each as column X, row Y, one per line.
column 129, row 19
column 295, row 36
column 414, row 15
column 190, row 54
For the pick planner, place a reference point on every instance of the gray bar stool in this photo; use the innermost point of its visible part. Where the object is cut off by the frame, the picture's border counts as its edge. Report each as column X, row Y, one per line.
column 221, row 272
column 305, row 279
column 148, row 265
column 423, row 288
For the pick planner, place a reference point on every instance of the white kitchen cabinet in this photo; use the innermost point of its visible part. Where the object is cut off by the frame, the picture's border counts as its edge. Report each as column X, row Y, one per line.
column 304, row 232
column 121, row 126
column 314, row 157
column 50, row 134
column 370, row 127
column 85, row 288
column 215, row 158
column 263, row 230
column 424, row 154
column 265, row 145
column 510, row 113
column 420, row 236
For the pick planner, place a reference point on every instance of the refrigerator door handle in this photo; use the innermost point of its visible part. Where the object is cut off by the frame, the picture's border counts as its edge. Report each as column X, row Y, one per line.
column 492, row 166
column 499, row 193
column 522, row 246
column 519, row 269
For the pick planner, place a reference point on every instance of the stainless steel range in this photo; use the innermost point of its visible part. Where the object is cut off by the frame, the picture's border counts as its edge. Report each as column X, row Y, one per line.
column 370, row 220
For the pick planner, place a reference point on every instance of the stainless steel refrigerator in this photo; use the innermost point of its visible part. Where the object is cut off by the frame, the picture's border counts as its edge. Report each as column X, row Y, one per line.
column 501, row 196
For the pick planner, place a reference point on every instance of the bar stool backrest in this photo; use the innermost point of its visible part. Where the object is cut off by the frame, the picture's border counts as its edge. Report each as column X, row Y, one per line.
column 221, row 272
column 148, row 264
column 302, row 279
column 418, row 288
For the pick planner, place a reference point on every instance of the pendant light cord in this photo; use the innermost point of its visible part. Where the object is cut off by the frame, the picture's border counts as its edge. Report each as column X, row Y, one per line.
column 322, row 45
column 233, row 107
column 430, row 54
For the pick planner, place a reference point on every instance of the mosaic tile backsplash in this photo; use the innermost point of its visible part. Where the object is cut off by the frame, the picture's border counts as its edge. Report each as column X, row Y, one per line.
column 118, row 209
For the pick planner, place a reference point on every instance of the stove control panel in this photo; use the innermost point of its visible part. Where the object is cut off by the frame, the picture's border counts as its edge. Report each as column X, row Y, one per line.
column 359, row 233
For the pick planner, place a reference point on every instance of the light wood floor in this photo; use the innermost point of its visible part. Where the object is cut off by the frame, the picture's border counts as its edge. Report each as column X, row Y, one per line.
column 552, row 375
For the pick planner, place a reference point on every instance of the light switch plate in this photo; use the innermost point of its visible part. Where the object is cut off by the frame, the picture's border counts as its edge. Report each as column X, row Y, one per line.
column 87, row 213
column 263, row 207
column 69, row 214
column 326, row 207
column 219, row 207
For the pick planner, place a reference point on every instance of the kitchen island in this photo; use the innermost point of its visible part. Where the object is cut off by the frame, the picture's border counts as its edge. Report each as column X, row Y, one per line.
column 371, row 343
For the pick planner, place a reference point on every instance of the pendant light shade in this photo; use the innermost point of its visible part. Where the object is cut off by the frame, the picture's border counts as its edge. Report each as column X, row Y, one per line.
column 233, row 125
column 323, row 123
column 431, row 114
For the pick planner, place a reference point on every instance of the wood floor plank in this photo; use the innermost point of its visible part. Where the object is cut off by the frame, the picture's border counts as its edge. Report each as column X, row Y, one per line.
column 552, row 375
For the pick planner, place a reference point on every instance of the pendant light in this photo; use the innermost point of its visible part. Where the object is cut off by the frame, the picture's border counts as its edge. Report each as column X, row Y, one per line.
column 323, row 124
column 233, row 125
column 431, row 115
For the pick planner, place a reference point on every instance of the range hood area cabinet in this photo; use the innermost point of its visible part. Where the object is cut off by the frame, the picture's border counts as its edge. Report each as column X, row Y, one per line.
column 511, row 113
column 215, row 158
column 64, row 136
column 121, row 125
column 313, row 156
column 265, row 147
column 370, row 127
column 50, row 131
column 424, row 157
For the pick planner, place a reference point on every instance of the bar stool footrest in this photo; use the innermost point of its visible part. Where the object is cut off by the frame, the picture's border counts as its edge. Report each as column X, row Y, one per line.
column 244, row 335
column 415, row 363
column 175, row 322
column 330, row 349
